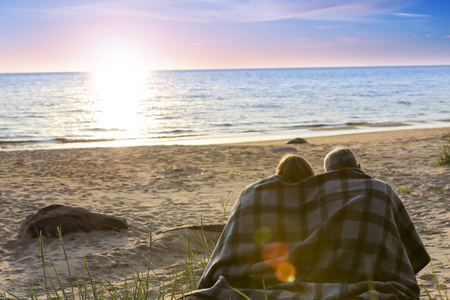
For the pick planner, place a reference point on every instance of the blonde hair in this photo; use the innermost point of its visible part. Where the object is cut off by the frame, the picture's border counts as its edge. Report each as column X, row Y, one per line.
column 294, row 168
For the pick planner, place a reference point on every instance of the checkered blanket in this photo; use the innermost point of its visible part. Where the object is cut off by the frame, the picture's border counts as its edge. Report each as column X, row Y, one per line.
column 338, row 235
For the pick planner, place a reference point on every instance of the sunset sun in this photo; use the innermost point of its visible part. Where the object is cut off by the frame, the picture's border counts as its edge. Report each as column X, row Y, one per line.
column 117, row 96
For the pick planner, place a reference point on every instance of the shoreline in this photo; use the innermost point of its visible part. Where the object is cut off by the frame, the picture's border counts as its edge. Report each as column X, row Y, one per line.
column 237, row 138
column 163, row 187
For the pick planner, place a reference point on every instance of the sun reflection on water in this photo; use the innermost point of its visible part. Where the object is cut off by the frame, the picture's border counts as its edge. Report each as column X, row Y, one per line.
column 117, row 102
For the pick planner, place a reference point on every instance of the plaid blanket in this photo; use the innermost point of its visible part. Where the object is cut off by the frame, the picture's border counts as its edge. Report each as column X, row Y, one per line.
column 338, row 235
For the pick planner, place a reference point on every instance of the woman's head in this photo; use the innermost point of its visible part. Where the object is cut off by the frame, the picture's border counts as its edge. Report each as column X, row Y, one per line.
column 294, row 168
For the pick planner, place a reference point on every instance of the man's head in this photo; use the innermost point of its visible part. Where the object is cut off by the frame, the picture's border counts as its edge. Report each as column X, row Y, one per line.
column 340, row 158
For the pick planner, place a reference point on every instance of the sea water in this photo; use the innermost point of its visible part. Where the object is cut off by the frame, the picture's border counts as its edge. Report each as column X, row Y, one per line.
column 40, row 110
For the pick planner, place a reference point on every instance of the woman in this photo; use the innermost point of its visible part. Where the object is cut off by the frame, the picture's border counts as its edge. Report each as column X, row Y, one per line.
column 294, row 168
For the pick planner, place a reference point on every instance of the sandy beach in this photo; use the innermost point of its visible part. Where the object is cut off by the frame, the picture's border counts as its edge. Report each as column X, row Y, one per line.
column 157, row 188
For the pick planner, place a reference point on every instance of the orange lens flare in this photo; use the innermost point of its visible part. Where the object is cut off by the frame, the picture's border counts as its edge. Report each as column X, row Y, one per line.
column 275, row 254
column 285, row 272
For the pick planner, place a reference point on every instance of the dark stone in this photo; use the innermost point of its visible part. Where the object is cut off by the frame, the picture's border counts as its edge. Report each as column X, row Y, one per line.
column 298, row 141
column 70, row 219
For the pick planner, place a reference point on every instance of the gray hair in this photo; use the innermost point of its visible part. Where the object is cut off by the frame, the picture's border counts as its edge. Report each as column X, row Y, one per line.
column 340, row 158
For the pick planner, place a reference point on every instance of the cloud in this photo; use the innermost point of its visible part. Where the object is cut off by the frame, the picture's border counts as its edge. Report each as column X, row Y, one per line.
column 332, row 27
column 271, row 10
column 406, row 15
column 224, row 10
column 341, row 41
column 347, row 40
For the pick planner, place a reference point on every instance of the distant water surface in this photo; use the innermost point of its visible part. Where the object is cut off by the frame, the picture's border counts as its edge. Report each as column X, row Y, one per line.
column 45, row 109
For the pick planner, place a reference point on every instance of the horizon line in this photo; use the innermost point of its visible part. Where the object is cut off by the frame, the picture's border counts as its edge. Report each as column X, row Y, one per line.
column 237, row 69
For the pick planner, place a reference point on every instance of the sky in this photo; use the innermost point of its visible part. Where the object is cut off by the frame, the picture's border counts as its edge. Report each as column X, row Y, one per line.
column 90, row 35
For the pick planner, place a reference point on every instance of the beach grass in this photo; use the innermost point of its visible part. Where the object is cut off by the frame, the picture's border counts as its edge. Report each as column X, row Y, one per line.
column 404, row 190
column 441, row 295
column 444, row 158
column 144, row 283
column 436, row 191
column 225, row 205
column 141, row 284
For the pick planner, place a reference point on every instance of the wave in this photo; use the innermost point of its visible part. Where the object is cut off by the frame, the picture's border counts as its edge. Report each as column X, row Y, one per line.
column 18, row 142
column 318, row 125
column 102, row 129
column 341, row 125
column 408, row 103
column 306, row 126
column 32, row 116
column 174, row 131
column 51, row 141
column 179, row 136
column 254, row 131
column 223, row 125
column 59, row 143
column 356, row 123
column 70, row 140
column 64, row 140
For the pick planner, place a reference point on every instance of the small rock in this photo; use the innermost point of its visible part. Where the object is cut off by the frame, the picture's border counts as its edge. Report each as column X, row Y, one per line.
column 298, row 141
column 70, row 219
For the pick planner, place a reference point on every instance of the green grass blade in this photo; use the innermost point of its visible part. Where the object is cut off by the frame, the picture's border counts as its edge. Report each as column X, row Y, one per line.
column 61, row 241
column 240, row 293
column 57, row 277
column 266, row 297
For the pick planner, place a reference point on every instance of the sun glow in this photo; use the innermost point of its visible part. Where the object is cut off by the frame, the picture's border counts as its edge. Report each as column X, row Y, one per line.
column 117, row 97
column 120, row 90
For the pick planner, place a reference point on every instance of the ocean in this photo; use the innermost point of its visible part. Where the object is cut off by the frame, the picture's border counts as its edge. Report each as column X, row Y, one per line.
column 68, row 110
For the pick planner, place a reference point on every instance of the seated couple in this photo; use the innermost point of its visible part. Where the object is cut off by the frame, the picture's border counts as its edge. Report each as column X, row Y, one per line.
column 337, row 235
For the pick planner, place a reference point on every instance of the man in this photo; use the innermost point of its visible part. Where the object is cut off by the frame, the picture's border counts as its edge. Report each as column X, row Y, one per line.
column 337, row 235
column 340, row 158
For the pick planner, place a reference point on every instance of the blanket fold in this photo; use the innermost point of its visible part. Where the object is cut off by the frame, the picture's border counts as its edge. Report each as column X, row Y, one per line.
column 338, row 235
